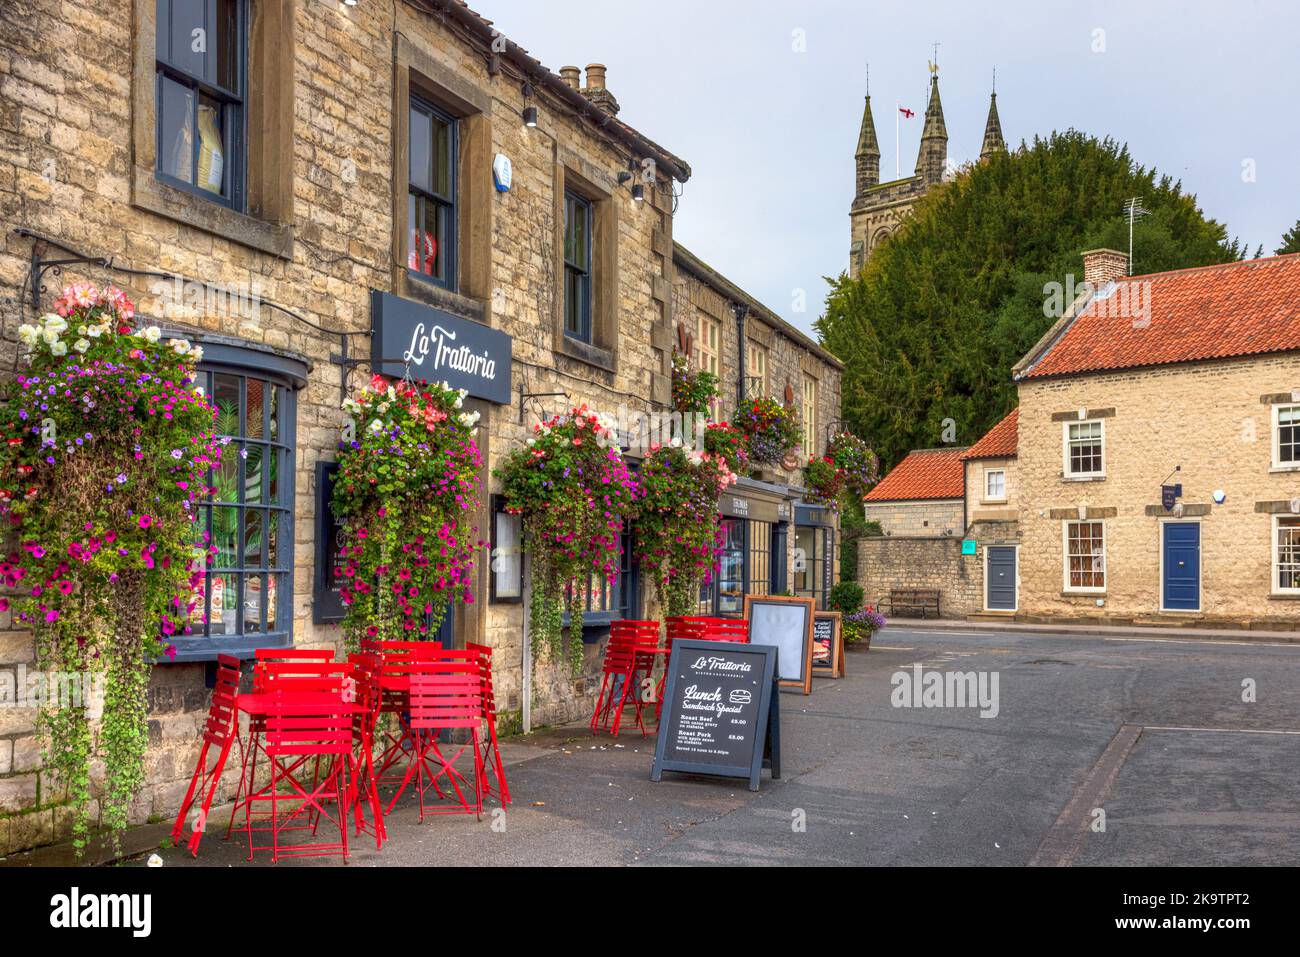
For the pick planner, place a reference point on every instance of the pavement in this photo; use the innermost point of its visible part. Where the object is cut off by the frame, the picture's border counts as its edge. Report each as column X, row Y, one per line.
column 1106, row 749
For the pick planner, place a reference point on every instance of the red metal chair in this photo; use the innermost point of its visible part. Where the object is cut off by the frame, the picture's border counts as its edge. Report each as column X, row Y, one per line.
column 727, row 629
column 626, row 664
column 365, row 788
column 220, row 731
column 396, row 661
column 441, row 702
column 300, row 727
column 491, row 750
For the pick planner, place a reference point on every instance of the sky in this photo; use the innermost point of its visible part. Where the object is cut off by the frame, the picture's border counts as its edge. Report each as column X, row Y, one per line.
column 763, row 98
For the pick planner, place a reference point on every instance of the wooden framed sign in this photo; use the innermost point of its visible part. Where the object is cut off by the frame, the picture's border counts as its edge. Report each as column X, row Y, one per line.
column 786, row 623
column 828, row 645
column 719, row 712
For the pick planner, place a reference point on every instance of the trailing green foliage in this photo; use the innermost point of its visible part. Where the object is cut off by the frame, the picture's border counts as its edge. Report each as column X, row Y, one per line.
column 932, row 326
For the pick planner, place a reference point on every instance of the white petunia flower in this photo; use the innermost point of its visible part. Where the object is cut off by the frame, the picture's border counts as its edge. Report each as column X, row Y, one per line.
column 196, row 353
column 28, row 334
column 51, row 336
column 81, row 345
column 59, row 348
column 151, row 333
column 181, row 346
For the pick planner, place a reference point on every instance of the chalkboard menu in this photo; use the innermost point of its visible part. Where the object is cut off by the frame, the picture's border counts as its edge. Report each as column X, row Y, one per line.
column 828, row 645
column 719, row 711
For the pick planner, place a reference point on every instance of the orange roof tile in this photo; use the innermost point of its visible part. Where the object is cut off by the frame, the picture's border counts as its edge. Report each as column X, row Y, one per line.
column 1000, row 441
column 1207, row 312
column 923, row 474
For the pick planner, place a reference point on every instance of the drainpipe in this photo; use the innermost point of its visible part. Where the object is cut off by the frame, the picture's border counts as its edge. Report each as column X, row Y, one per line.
column 526, row 694
column 741, row 311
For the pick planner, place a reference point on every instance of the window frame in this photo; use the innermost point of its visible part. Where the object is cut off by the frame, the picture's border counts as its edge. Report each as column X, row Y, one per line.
column 585, row 332
column 1276, row 428
column 1066, row 471
column 234, row 111
column 809, row 415
column 756, row 369
column 1275, row 568
column 449, row 204
column 494, row 594
column 1065, row 554
column 708, row 358
column 250, row 364
column 988, row 495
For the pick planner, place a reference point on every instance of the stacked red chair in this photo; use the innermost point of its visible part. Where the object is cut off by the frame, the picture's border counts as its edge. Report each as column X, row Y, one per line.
column 305, row 728
column 628, row 661
column 491, row 750
column 397, row 659
column 446, row 701
column 219, row 732
column 365, row 788
column 700, row 627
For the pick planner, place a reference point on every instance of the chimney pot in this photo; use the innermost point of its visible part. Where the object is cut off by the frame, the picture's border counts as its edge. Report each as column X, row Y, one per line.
column 1100, row 266
column 570, row 75
column 595, row 76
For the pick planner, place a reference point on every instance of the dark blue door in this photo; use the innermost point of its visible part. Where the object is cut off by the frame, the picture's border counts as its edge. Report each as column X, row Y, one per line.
column 1182, row 563
column 1002, row 578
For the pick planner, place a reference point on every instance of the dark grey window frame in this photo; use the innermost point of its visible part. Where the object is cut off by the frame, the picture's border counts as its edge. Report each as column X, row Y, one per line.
column 234, row 124
column 287, row 376
column 449, row 202
column 574, row 204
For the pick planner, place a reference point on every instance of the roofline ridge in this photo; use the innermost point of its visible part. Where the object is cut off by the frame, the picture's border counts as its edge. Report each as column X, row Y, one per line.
column 1209, row 266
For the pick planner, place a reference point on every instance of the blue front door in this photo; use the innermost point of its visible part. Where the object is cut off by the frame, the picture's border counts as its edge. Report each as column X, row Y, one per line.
column 1182, row 565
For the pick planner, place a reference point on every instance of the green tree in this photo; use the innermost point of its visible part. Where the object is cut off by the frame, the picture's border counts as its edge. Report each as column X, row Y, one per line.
column 930, row 329
column 1290, row 241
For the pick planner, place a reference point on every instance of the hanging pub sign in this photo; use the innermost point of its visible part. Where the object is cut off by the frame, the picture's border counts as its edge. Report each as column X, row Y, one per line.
column 721, row 712
column 1169, row 495
column 438, row 347
column 828, row 645
column 786, row 623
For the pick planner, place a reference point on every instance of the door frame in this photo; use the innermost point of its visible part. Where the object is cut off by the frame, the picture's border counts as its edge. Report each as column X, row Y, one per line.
column 1200, row 565
column 1015, row 547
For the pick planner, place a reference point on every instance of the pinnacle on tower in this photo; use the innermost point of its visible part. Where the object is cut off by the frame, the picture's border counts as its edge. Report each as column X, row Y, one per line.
column 868, row 153
column 993, row 141
column 933, row 156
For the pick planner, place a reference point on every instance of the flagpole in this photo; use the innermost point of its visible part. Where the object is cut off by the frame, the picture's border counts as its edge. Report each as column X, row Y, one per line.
column 898, row 107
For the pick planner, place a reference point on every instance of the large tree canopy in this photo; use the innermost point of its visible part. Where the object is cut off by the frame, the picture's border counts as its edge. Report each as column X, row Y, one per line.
column 931, row 327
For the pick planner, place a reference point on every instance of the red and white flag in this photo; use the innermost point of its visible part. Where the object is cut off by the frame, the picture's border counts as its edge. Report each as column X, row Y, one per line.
column 906, row 112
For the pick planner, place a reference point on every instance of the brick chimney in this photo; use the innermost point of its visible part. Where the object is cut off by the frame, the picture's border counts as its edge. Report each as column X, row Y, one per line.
column 570, row 75
column 596, row 91
column 1100, row 266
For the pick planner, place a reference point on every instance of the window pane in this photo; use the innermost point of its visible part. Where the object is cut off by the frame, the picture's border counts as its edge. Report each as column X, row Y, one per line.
column 221, row 614
column 253, row 540
column 188, row 37
column 225, row 53
column 253, row 474
column 252, row 603
column 225, row 393
column 272, row 539
column 256, row 398
column 272, row 598
column 212, row 146
column 442, row 159
column 1288, row 434
column 274, row 458
column 225, row 529
column 274, row 416
column 429, row 221
column 1288, row 553
column 225, row 477
column 421, row 150
column 507, row 562
column 176, row 126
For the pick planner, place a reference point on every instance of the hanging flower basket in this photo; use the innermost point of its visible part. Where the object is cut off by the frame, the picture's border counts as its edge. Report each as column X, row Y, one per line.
column 575, row 492
column 407, row 492
column 771, row 429
column 823, row 482
column 693, row 390
column 729, row 443
column 678, row 535
column 107, row 453
column 854, row 458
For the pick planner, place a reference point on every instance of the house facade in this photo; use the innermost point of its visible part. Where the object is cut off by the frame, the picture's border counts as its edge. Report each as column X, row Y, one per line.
column 315, row 192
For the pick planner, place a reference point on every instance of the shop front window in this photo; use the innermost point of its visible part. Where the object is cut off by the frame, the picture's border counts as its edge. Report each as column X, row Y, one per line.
column 811, row 555
column 249, row 519
column 604, row 600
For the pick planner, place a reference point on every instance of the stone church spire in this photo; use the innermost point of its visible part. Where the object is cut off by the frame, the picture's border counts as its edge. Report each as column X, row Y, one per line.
column 868, row 153
column 993, row 141
column 932, row 160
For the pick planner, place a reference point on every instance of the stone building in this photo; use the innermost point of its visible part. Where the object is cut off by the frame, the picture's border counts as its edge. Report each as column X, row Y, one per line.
column 776, row 542
column 1151, row 471
column 300, row 197
column 879, row 208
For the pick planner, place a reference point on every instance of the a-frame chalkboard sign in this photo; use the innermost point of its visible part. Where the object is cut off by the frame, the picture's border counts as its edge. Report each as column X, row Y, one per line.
column 721, row 712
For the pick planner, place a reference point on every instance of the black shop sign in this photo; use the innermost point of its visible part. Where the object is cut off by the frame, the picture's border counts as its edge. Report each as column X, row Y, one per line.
column 438, row 347
column 721, row 711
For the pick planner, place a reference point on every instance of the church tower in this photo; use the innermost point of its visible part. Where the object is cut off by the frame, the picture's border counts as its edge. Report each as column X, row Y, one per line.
column 932, row 159
column 867, row 156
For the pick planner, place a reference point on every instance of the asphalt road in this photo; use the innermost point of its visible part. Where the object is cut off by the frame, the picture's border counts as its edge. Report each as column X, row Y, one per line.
column 1154, row 733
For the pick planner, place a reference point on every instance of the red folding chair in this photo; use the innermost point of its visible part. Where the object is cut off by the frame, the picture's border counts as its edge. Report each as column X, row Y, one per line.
column 303, row 727
column 221, row 730
column 396, row 660
column 442, row 702
column 491, row 750
column 727, row 629
column 624, row 667
column 365, row 788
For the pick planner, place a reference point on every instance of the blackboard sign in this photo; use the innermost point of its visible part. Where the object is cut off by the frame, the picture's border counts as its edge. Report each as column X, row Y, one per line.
column 828, row 645
column 719, row 711
column 327, row 604
column 787, row 624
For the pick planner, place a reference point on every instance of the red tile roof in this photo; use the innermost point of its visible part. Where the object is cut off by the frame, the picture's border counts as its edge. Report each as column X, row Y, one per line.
column 999, row 442
column 924, row 474
column 1207, row 312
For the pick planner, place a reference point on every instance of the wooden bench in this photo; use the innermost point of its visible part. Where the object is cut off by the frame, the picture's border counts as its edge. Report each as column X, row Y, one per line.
column 912, row 602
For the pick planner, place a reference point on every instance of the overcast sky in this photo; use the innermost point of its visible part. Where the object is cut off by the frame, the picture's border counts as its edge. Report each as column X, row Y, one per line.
column 763, row 98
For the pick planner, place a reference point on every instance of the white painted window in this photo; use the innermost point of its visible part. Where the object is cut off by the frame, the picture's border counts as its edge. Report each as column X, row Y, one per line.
column 707, row 353
column 756, row 371
column 995, row 485
column 1286, row 436
column 1286, row 554
column 810, row 416
column 1084, row 442
column 1085, row 556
